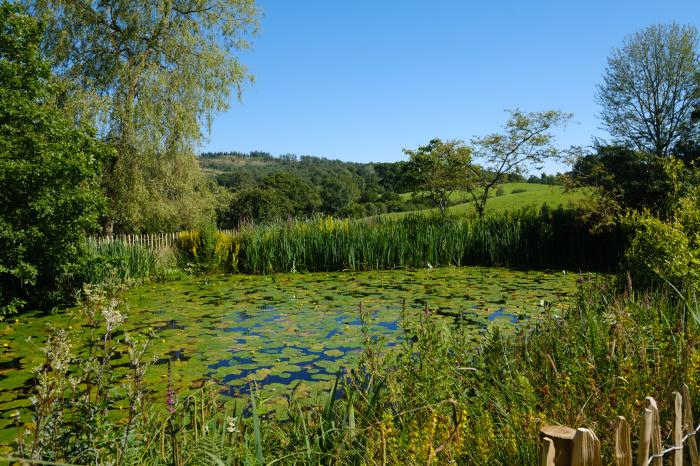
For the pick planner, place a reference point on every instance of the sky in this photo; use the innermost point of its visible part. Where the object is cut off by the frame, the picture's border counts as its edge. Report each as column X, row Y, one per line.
column 360, row 80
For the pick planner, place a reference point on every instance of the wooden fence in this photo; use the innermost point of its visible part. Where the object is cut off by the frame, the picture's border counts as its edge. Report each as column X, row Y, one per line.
column 564, row 446
column 154, row 241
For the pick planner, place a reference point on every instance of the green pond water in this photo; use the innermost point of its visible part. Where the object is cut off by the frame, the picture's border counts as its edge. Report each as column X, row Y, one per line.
column 284, row 329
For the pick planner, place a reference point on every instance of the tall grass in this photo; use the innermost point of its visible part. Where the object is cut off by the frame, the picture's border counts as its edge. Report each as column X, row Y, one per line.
column 554, row 238
column 544, row 238
column 119, row 260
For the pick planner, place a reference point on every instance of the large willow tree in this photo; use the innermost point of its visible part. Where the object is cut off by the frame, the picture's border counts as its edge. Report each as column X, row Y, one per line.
column 150, row 75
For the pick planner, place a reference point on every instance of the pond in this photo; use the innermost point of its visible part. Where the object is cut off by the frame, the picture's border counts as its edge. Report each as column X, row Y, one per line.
column 283, row 329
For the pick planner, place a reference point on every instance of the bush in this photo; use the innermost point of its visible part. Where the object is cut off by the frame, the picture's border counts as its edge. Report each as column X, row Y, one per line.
column 661, row 252
column 208, row 250
column 500, row 191
column 518, row 190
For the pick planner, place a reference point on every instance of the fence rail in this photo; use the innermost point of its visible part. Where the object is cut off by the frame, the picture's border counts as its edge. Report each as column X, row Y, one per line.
column 154, row 241
column 564, row 446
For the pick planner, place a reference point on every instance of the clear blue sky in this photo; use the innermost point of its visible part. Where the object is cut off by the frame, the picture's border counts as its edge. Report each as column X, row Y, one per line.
column 360, row 80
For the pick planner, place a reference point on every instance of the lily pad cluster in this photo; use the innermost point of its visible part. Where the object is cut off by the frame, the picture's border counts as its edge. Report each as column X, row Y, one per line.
column 281, row 330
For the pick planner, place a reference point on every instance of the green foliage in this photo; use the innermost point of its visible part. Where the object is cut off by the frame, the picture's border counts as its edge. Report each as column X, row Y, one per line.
column 437, row 399
column 253, row 205
column 650, row 88
column 526, row 142
column 306, row 185
column 545, row 238
column 48, row 172
column 666, row 251
column 208, row 250
column 632, row 179
column 151, row 76
column 439, row 169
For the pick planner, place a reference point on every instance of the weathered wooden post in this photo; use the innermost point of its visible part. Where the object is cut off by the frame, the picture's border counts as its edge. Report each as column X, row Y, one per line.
column 677, row 429
column 689, row 426
column 586, row 448
column 547, row 452
column 644, row 437
column 623, row 444
column 562, row 439
column 656, row 445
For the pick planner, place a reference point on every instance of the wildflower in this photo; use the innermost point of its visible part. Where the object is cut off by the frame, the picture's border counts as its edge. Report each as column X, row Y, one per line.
column 171, row 400
column 231, row 425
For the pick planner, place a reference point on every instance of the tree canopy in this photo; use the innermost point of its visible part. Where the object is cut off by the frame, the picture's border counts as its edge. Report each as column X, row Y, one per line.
column 439, row 169
column 651, row 88
column 150, row 75
column 49, row 172
column 526, row 142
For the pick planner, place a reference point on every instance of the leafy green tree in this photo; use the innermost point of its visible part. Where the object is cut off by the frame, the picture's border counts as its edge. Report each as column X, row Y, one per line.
column 526, row 142
column 338, row 192
column 632, row 179
column 438, row 170
column 49, row 173
column 301, row 198
column 152, row 74
column 257, row 204
column 651, row 88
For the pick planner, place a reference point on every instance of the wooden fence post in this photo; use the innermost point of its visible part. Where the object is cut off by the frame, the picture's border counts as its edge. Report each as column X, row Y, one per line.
column 562, row 438
column 586, row 449
column 689, row 426
column 644, row 437
column 677, row 429
column 623, row 444
column 547, row 452
column 656, row 445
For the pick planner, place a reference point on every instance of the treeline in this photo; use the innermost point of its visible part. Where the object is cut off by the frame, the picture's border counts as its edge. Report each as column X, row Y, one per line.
column 265, row 188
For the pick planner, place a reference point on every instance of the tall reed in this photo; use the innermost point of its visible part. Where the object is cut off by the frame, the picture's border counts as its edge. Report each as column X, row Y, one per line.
column 554, row 238
column 119, row 260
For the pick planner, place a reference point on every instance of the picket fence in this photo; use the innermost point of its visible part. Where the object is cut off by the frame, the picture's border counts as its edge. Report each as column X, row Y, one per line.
column 154, row 241
column 564, row 446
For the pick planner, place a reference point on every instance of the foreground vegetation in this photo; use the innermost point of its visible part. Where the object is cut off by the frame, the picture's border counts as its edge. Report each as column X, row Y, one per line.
column 435, row 400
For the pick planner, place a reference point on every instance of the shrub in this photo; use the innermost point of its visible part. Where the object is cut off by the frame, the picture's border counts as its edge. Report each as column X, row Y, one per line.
column 500, row 191
column 208, row 250
column 518, row 190
column 661, row 252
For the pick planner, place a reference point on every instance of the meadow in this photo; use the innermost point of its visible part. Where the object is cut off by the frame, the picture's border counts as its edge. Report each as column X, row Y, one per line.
column 514, row 196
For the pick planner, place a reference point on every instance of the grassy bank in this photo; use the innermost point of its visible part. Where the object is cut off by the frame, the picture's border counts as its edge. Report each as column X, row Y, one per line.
column 434, row 400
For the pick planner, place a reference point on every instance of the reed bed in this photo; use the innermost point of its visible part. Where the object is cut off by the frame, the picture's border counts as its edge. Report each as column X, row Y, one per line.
column 119, row 260
column 553, row 238
column 528, row 238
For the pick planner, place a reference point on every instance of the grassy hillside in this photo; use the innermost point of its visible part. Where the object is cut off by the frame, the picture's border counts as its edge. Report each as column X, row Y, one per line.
column 525, row 194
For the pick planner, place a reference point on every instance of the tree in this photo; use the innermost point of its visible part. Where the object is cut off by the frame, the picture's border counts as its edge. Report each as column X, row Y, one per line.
column 49, row 173
column 439, row 169
column 301, row 198
column 338, row 192
column 254, row 205
column 651, row 87
column 526, row 141
column 152, row 74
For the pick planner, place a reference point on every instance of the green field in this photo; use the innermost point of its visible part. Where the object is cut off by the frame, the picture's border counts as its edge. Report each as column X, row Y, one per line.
column 533, row 194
